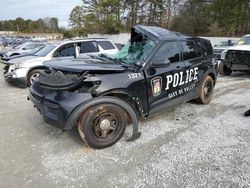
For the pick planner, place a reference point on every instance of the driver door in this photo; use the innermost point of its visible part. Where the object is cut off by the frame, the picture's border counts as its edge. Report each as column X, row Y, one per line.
column 162, row 86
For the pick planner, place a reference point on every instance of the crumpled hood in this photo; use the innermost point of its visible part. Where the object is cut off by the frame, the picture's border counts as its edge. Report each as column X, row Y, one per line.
column 81, row 65
column 154, row 33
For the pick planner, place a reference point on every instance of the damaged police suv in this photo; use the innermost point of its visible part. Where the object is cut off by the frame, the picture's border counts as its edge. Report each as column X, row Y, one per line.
column 101, row 95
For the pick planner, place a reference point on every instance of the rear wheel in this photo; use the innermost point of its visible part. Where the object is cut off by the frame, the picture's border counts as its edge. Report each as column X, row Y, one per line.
column 32, row 76
column 223, row 70
column 102, row 125
column 206, row 91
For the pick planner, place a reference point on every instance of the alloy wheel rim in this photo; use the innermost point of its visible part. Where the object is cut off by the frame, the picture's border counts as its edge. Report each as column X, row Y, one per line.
column 33, row 77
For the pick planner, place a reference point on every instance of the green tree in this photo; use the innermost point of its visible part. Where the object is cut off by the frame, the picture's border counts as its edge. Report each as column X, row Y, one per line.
column 76, row 20
column 53, row 22
column 20, row 24
column 29, row 26
column 191, row 18
column 103, row 16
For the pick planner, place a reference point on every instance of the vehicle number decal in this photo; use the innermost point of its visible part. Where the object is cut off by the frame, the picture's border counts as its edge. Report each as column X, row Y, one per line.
column 134, row 75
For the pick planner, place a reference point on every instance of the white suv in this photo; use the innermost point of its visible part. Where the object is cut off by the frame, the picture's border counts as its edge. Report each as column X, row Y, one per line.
column 23, row 70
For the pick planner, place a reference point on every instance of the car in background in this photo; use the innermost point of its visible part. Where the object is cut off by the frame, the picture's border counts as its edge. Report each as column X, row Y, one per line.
column 1, row 41
column 25, row 48
column 221, row 46
column 236, row 58
column 22, row 71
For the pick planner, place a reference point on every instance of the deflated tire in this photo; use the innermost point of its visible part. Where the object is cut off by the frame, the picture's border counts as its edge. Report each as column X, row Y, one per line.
column 102, row 125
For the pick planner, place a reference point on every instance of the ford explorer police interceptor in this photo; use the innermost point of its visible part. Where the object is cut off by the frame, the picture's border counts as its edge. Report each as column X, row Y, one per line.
column 101, row 95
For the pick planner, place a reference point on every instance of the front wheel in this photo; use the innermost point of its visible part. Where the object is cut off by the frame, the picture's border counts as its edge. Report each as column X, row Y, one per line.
column 32, row 76
column 223, row 70
column 206, row 91
column 102, row 125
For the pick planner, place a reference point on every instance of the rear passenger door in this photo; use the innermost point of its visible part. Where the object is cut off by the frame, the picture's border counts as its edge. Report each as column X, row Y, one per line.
column 192, row 56
column 163, row 86
column 88, row 48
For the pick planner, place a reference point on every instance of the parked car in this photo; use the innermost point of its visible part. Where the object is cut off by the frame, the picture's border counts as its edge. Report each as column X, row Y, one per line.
column 155, row 70
column 221, row 46
column 25, row 48
column 22, row 71
column 236, row 58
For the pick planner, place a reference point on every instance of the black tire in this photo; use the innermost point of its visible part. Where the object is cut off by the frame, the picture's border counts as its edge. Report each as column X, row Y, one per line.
column 102, row 125
column 247, row 113
column 206, row 91
column 32, row 75
column 223, row 70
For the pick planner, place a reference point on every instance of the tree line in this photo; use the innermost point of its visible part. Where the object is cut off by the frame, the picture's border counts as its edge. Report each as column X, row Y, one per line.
column 45, row 25
column 193, row 17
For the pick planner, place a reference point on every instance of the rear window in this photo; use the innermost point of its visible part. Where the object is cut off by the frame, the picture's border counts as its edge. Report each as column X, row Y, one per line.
column 190, row 50
column 206, row 46
column 89, row 47
column 106, row 45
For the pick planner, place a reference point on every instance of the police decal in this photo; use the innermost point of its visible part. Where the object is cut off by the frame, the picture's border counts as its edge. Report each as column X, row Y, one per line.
column 173, row 80
column 156, row 84
column 178, row 78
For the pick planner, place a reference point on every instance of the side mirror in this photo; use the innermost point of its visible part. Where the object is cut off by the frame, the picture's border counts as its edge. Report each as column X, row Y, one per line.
column 151, row 70
column 159, row 65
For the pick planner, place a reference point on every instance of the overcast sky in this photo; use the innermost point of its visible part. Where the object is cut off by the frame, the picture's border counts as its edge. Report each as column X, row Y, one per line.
column 34, row 9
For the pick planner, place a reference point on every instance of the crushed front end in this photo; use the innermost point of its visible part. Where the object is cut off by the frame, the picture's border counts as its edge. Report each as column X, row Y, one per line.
column 238, row 60
column 56, row 94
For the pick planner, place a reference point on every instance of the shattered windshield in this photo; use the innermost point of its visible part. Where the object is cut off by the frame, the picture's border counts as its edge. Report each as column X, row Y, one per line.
column 136, row 52
column 244, row 41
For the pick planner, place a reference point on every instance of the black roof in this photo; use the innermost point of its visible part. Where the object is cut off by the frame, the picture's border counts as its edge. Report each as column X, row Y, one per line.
column 156, row 33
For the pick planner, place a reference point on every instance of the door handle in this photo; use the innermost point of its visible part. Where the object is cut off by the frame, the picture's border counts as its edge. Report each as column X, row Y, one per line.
column 178, row 67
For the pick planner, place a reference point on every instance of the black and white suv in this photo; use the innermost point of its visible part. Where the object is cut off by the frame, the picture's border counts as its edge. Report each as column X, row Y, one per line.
column 155, row 70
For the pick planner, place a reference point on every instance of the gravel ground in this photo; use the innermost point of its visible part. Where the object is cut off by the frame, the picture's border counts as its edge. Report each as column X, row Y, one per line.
column 188, row 146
